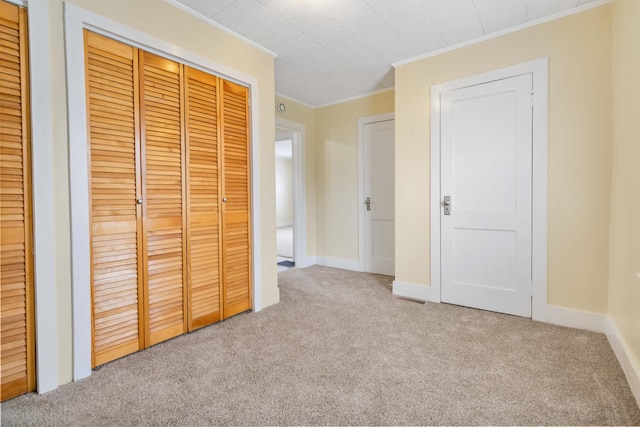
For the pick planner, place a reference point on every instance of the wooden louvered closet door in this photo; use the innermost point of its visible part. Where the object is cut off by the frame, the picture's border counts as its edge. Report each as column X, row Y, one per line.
column 16, row 266
column 116, row 240
column 167, row 142
column 201, row 124
column 16, row 261
column 236, row 232
column 163, row 202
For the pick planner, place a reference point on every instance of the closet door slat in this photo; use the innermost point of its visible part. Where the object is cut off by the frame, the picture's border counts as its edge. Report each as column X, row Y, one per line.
column 201, row 125
column 16, row 267
column 116, row 277
column 162, row 180
column 236, row 189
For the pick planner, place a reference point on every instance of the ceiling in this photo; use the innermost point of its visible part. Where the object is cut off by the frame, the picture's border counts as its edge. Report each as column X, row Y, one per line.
column 332, row 50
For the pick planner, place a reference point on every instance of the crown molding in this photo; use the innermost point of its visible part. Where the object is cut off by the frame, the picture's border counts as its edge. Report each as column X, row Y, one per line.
column 220, row 27
column 503, row 32
column 288, row 98
column 354, row 98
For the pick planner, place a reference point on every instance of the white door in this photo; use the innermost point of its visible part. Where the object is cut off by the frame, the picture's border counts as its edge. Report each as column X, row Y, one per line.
column 379, row 190
column 486, row 167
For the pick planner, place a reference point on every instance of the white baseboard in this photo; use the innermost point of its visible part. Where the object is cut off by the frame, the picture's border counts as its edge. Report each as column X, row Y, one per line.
column 343, row 263
column 307, row 261
column 415, row 291
column 576, row 318
column 628, row 362
column 603, row 324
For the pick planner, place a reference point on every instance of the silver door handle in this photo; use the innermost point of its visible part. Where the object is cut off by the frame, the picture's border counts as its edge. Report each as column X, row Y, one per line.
column 367, row 202
column 139, row 201
column 447, row 205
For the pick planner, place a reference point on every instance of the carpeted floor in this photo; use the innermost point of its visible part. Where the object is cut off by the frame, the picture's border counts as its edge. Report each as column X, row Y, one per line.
column 339, row 349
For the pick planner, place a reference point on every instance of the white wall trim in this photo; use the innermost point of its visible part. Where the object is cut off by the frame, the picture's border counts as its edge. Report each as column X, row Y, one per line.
column 342, row 263
column 481, row 39
column 220, row 27
column 362, row 121
column 76, row 19
column 356, row 97
column 577, row 319
column 294, row 100
column 256, row 230
column 539, row 70
column 622, row 350
column 299, row 178
column 44, row 229
column 309, row 261
column 434, row 195
column 352, row 98
column 415, row 291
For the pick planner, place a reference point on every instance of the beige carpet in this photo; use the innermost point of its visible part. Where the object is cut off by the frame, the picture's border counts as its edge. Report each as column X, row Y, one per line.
column 284, row 237
column 339, row 349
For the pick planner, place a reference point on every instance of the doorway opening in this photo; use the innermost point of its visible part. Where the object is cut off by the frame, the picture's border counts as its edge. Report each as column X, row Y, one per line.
column 284, row 202
column 291, row 217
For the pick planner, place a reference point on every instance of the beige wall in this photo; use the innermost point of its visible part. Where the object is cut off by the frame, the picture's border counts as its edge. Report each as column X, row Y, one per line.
column 297, row 112
column 579, row 52
column 162, row 21
column 304, row 115
column 336, row 161
column 624, row 286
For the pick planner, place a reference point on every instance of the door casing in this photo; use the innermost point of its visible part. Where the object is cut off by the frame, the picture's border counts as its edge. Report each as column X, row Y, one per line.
column 539, row 70
column 296, row 132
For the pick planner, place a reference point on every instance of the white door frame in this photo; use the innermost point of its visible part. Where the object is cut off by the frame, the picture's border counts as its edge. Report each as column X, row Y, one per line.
column 539, row 70
column 296, row 132
column 362, row 121
column 43, row 207
column 76, row 19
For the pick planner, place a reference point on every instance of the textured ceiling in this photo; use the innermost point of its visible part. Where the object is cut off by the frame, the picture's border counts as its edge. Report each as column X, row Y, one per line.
column 331, row 50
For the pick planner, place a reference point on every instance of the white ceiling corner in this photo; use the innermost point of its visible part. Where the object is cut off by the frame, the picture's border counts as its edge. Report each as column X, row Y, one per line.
column 331, row 50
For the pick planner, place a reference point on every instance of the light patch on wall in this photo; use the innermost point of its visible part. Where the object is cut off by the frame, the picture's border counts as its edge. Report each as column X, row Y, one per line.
column 283, row 149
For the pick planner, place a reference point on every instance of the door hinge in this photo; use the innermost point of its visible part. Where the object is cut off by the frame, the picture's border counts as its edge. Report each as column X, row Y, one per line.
column 531, row 99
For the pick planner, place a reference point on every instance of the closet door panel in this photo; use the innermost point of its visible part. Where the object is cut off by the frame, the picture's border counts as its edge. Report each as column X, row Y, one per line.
column 201, row 124
column 16, row 268
column 163, row 205
column 236, row 190
column 116, row 286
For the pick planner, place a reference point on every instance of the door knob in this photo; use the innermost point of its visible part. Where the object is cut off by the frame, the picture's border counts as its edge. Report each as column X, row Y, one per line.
column 367, row 202
column 224, row 200
column 447, row 205
column 139, row 201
